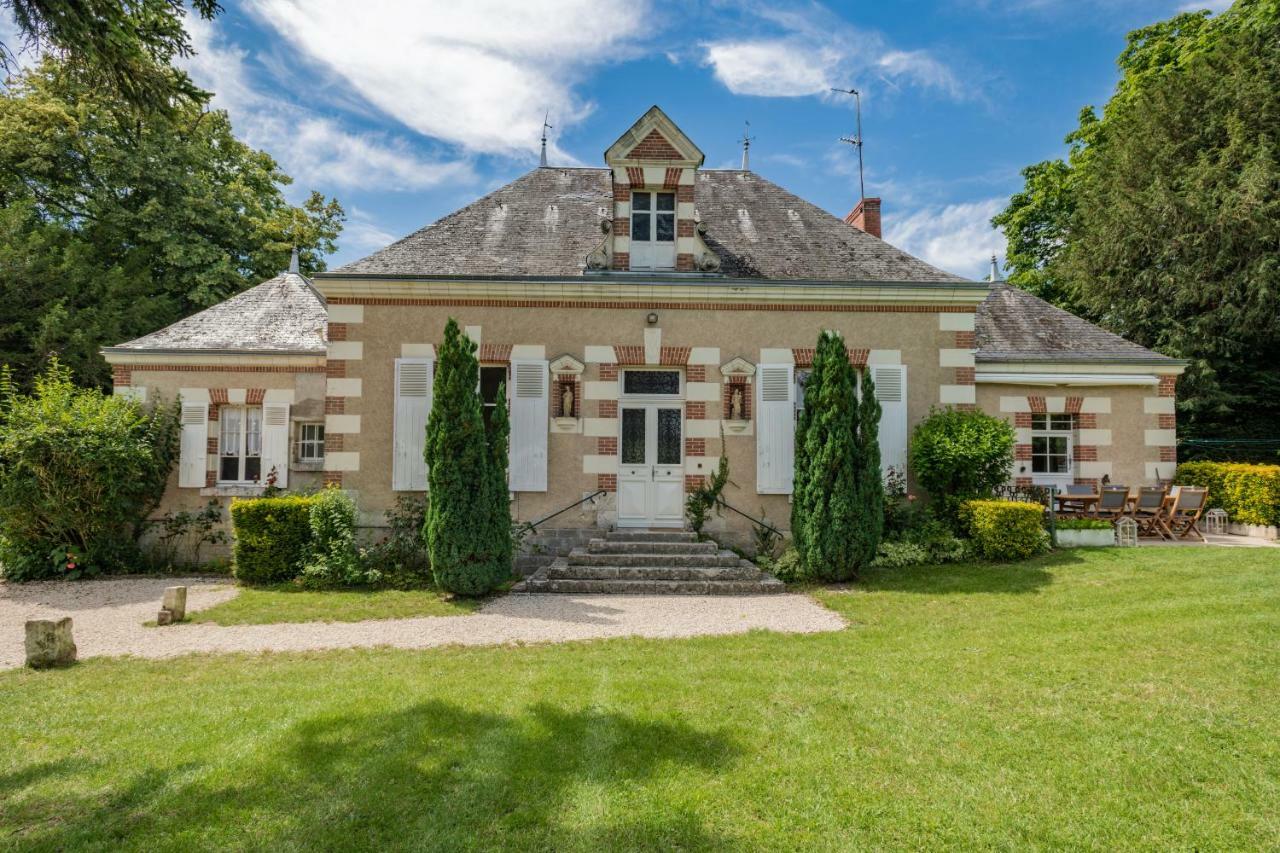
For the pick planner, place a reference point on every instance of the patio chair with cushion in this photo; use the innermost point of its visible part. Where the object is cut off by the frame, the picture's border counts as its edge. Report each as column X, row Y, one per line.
column 1113, row 502
column 1148, row 512
column 1185, row 511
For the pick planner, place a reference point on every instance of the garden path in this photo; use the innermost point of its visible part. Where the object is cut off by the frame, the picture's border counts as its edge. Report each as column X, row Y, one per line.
column 109, row 615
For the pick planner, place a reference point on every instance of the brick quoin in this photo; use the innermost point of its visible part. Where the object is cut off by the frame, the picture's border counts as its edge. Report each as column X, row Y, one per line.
column 1022, row 420
column 621, row 191
column 965, row 375
column 255, row 396
column 337, row 331
column 213, row 412
column 966, row 407
column 121, row 376
column 1084, row 453
column 695, row 411
column 607, row 446
column 1167, row 385
column 685, row 227
column 696, row 373
column 1168, row 454
column 1168, row 421
column 1022, row 482
column 1022, row 452
column 335, row 405
column 609, row 372
column 210, row 479
column 606, row 408
column 695, row 447
column 653, row 147
column 211, row 445
column 607, row 482
column 684, row 192
column 1074, row 404
column 1037, row 405
column 692, row 482
column 684, row 262
column 333, row 478
column 334, row 443
column 621, row 260
column 1086, row 420
column 966, row 340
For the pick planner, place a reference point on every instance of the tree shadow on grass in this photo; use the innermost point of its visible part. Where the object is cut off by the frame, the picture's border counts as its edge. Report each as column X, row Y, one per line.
column 1028, row 576
column 432, row 775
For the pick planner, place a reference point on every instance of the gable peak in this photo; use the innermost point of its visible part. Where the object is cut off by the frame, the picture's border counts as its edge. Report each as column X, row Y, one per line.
column 654, row 137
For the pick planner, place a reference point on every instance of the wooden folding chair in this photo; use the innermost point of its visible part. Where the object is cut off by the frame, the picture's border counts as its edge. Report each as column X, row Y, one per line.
column 1149, row 510
column 1113, row 502
column 1184, row 514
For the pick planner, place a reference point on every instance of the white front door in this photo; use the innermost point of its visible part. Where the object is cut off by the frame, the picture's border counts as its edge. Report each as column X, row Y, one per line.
column 651, row 465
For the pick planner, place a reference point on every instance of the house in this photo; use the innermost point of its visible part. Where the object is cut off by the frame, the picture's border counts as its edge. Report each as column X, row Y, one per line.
column 645, row 317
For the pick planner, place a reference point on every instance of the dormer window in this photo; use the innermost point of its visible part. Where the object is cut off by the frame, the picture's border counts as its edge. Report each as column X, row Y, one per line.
column 653, row 230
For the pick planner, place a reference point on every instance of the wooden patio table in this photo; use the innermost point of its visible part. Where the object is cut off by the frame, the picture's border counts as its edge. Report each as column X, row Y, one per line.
column 1086, row 502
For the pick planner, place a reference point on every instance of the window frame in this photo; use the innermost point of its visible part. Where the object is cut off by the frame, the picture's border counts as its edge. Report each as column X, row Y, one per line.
column 651, row 213
column 243, row 416
column 678, row 394
column 487, row 407
column 316, row 442
column 1049, row 426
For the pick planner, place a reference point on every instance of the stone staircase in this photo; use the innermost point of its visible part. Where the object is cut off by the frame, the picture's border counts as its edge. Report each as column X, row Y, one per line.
column 647, row 562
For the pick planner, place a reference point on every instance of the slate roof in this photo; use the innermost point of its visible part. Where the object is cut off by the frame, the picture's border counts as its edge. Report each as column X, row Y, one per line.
column 1012, row 325
column 284, row 314
column 546, row 222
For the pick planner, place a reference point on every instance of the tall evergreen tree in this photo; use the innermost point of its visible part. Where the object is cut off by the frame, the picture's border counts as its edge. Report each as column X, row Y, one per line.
column 498, row 432
column 459, row 526
column 870, row 500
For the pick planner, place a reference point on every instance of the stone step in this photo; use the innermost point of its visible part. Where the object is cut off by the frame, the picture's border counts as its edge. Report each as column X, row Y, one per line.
column 540, row 583
column 560, row 570
column 580, row 557
column 606, row 546
column 651, row 536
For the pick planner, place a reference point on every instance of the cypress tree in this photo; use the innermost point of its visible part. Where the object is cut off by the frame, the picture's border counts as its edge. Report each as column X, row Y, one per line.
column 459, row 527
column 498, row 434
column 870, row 526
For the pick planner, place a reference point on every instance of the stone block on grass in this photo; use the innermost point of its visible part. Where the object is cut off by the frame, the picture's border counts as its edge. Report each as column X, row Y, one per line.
column 49, row 643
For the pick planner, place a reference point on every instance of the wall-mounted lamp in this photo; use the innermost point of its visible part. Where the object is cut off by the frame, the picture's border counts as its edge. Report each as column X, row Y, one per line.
column 652, row 319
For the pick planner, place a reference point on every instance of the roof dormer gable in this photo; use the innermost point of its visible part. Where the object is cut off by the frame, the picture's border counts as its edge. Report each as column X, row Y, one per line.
column 653, row 139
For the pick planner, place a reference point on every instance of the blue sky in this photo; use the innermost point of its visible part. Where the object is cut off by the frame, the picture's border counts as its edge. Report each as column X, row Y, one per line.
column 408, row 110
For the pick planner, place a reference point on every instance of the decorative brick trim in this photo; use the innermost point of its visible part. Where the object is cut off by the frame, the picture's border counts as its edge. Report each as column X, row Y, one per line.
column 1074, row 404
column 219, row 396
column 334, row 442
column 684, row 192
column 1022, row 420
column 685, row 227
column 674, row 355
column 1037, row 405
column 1168, row 454
column 335, row 405
column 335, row 369
column 1022, row 452
column 210, row 479
column 1084, row 420
column 621, row 261
column 567, row 380
column 726, row 397
column 607, row 482
column 804, row 356
column 858, row 357
column 653, row 147
column 1167, row 386
column 121, row 376
column 621, row 191
column 695, row 447
column 671, row 180
column 228, row 368
column 966, row 340
column 966, row 375
column 1087, row 481
column 606, row 408
column 695, row 410
column 495, row 353
column 211, row 445
column 684, row 262
column 606, row 446
column 333, row 478
column 1168, row 422
column 631, row 305
column 255, row 396
column 692, row 482
column 337, row 331
column 629, row 355
column 1084, row 453
column 609, row 372
column 695, row 373
column 965, row 407
column 635, row 175
column 1022, row 482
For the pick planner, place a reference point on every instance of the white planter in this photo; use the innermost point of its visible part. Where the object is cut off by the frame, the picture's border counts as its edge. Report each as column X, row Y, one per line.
column 1258, row 530
column 1086, row 538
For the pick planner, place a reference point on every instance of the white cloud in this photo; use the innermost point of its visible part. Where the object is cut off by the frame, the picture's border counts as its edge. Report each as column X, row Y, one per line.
column 312, row 148
column 1215, row 6
column 362, row 234
column 815, row 52
column 480, row 74
column 956, row 237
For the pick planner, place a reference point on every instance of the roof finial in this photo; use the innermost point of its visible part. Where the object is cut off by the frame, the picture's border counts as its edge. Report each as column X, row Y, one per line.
column 994, row 275
column 542, row 161
column 856, row 141
column 746, row 146
column 293, row 261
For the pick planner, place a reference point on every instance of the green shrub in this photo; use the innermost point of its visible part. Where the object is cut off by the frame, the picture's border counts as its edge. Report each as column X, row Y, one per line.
column 332, row 557
column 1006, row 530
column 80, row 472
column 400, row 557
column 705, row 499
column 1083, row 524
column 1249, row 493
column 272, row 537
column 787, row 568
column 899, row 555
column 961, row 455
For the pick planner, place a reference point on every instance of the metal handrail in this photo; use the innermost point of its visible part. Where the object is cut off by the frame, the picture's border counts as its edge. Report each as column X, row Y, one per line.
column 760, row 521
column 533, row 525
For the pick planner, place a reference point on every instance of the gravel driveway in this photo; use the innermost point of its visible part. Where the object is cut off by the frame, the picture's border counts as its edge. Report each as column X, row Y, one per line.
column 108, row 617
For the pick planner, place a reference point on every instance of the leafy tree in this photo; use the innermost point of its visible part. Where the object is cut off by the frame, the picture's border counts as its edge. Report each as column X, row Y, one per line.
column 126, row 46
column 460, row 529
column 961, row 455
column 1162, row 223
column 113, row 224
column 80, row 472
column 830, row 526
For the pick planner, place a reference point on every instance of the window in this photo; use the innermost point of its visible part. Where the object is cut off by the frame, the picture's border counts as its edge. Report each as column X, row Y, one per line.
column 492, row 380
column 651, row 382
column 310, row 442
column 239, row 444
column 653, row 230
column 1051, row 437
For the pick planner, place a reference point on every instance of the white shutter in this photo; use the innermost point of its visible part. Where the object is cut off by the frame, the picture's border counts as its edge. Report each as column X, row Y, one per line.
column 275, row 442
column 194, row 447
column 529, row 417
column 775, row 429
column 413, row 405
column 891, row 391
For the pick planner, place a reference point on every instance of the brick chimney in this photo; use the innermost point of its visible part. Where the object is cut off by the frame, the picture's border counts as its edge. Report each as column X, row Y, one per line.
column 866, row 216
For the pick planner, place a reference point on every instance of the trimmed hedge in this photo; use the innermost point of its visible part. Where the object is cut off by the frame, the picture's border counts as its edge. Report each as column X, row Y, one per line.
column 272, row 537
column 1249, row 493
column 1005, row 530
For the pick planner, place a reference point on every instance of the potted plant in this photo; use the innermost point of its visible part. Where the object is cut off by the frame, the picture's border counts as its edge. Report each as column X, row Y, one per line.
column 1085, row 533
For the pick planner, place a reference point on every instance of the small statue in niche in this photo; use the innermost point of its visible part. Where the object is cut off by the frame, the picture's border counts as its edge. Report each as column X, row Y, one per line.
column 566, row 400
column 735, row 405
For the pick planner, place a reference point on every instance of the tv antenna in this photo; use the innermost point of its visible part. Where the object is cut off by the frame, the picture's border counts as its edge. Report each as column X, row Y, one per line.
column 856, row 140
column 746, row 146
column 542, row 161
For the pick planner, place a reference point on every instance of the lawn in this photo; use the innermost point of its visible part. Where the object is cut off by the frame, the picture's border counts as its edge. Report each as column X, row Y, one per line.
column 265, row 605
column 1092, row 699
